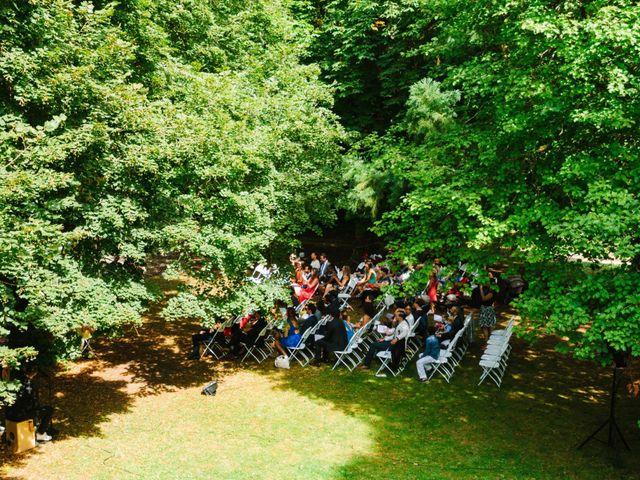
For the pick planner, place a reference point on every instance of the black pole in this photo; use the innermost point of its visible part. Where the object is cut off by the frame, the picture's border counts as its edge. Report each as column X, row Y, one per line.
column 611, row 421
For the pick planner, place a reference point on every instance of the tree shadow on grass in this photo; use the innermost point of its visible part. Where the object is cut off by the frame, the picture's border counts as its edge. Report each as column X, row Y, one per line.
column 149, row 362
column 529, row 428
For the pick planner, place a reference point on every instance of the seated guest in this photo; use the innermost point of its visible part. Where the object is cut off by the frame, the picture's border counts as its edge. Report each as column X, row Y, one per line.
column 362, row 266
column 305, row 313
column 330, row 303
column 317, row 311
column 335, row 339
column 420, row 315
column 326, row 281
column 341, row 279
column 455, row 322
column 203, row 336
column 369, row 309
column 367, row 281
column 384, row 278
column 393, row 336
column 306, row 290
column 299, row 273
column 27, row 406
column 291, row 336
column 323, row 271
column 246, row 332
column 310, row 319
column 306, row 273
column 409, row 315
column 344, row 278
column 430, row 354
column 293, row 259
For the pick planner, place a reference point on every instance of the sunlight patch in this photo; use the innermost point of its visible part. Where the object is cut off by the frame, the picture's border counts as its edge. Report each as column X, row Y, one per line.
column 252, row 428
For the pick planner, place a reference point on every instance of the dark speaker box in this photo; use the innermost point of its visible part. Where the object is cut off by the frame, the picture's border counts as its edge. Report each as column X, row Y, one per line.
column 210, row 388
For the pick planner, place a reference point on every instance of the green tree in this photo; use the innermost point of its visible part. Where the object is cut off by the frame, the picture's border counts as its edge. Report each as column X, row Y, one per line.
column 518, row 139
column 138, row 128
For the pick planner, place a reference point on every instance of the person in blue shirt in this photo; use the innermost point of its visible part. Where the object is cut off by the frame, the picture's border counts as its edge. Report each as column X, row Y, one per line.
column 430, row 354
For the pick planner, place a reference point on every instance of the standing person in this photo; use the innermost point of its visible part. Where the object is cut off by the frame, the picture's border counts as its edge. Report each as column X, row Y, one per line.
column 487, row 309
column 430, row 354
column 432, row 290
column 315, row 263
column 27, row 406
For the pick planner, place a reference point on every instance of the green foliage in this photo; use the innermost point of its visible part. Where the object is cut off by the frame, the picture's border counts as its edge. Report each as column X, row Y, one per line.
column 136, row 128
column 524, row 145
column 430, row 110
column 368, row 48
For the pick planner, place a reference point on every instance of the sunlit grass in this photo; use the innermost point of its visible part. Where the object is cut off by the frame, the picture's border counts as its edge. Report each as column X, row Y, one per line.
column 248, row 430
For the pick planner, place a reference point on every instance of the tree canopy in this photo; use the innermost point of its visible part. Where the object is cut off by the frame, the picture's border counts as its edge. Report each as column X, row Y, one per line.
column 508, row 131
column 137, row 128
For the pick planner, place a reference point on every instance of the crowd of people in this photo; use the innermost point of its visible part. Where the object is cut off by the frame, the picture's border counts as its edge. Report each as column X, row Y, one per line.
column 434, row 315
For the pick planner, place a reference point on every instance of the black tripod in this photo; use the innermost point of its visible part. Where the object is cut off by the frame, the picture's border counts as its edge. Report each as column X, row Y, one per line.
column 611, row 421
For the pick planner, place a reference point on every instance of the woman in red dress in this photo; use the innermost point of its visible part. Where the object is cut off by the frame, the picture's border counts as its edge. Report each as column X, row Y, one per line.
column 306, row 291
column 432, row 290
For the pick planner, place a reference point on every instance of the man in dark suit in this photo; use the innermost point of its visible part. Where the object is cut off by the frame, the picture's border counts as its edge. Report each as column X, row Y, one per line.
column 323, row 273
column 335, row 338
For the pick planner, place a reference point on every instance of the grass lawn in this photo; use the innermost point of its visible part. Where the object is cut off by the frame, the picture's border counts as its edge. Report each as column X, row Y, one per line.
column 136, row 412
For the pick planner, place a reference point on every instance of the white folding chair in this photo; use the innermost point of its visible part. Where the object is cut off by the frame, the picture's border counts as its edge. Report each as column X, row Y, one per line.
column 212, row 346
column 494, row 364
column 413, row 345
column 444, row 364
column 386, row 358
column 345, row 293
column 301, row 352
column 349, row 357
column 354, row 353
column 260, row 350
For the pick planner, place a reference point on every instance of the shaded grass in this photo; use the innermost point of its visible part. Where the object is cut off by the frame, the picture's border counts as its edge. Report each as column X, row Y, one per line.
column 137, row 412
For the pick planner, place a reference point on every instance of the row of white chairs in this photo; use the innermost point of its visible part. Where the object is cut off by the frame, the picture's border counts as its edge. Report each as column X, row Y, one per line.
column 302, row 352
column 355, row 351
column 495, row 357
column 451, row 356
column 493, row 361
